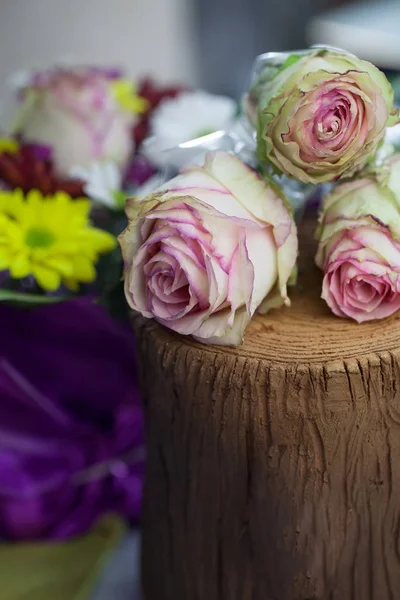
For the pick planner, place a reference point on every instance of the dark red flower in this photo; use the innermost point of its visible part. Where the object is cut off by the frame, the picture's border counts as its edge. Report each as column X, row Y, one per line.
column 154, row 94
column 30, row 169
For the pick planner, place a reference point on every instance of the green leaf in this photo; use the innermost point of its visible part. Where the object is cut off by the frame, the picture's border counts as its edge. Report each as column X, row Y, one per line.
column 291, row 60
column 29, row 299
column 120, row 197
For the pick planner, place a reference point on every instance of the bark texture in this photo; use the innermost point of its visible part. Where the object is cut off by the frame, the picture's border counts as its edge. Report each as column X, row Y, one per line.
column 274, row 468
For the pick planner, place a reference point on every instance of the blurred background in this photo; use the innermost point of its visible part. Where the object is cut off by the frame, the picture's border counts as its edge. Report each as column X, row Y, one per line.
column 207, row 43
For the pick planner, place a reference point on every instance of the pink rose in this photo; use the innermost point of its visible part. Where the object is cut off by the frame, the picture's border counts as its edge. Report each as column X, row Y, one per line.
column 321, row 116
column 208, row 249
column 359, row 247
column 77, row 114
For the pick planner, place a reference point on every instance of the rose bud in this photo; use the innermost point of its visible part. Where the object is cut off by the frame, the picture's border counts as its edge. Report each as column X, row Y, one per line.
column 321, row 116
column 208, row 249
column 78, row 114
column 359, row 246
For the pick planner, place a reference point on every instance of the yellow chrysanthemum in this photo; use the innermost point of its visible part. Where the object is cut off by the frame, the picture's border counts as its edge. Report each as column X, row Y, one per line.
column 9, row 145
column 124, row 92
column 50, row 238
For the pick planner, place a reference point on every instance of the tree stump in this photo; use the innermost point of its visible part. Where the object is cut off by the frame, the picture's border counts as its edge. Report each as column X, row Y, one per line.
column 273, row 469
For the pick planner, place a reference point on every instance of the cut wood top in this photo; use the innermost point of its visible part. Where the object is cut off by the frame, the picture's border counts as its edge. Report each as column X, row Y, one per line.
column 307, row 332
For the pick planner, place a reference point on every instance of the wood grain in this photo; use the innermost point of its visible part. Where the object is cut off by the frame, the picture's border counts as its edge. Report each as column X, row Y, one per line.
column 274, row 468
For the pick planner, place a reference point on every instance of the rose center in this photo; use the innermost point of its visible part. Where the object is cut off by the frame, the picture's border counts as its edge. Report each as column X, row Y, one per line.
column 170, row 287
column 364, row 290
column 331, row 123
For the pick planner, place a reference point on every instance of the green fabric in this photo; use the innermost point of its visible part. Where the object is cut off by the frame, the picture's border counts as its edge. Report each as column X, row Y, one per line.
column 57, row 571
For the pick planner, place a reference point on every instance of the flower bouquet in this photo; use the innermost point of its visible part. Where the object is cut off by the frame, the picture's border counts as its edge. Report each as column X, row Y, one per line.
column 72, row 445
column 84, row 139
column 217, row 243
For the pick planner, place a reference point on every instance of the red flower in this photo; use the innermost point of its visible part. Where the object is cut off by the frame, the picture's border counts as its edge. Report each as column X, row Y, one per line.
column 26, row 170
column 154, row 94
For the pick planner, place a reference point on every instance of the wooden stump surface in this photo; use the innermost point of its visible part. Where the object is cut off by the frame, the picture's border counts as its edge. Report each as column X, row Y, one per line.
column 274, row 468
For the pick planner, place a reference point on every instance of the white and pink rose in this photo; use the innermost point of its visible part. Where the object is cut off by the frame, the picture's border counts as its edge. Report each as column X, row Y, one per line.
column 322, row 116
column 77, row 114
column 208, row 249
column 359, row 246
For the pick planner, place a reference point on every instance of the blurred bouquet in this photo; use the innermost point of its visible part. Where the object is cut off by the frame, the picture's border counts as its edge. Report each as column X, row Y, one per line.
column 66, row 168
column 84, row 140
column 71, row 443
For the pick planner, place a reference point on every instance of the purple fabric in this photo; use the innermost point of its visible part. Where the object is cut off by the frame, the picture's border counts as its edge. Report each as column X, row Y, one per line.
column 71, row 421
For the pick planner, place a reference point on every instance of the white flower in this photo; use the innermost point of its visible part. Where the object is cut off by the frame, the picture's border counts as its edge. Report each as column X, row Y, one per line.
column 188, row 116
column 150, row 186
column 83, row 114
column 103, row 183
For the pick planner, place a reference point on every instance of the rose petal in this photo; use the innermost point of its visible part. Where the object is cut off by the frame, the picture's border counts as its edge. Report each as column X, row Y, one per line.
column 262, row 253
column 215, row 331
column 264, row 204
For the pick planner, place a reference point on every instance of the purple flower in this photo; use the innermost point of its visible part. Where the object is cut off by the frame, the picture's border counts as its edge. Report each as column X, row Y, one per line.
column 71, row 422
column 109, row 72
column 139, row 171
column 41, row 152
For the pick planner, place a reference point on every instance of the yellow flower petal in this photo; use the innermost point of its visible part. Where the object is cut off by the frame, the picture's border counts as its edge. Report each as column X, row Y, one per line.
column 101, row 241
column 72, row 284
column 124, row 92
column 46, row 277
column 9, row 200
column 5, row 258
column 84, row 270
column 50, row 238
column 20, row 266
column 62, row 265
column 9, row 145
